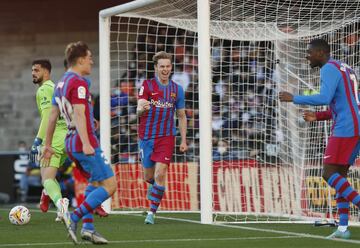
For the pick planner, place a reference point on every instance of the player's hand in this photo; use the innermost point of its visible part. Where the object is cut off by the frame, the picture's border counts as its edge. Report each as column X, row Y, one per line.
column 309, row 116
column 145, row 105
column 285, row 96
column 88, row 150
column 46, row 156
column 35, row 150
column 183, row 147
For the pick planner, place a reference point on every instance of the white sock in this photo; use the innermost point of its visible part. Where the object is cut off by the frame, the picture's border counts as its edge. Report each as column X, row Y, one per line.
column 44, row 191
column 58, row 205
column 342, row 228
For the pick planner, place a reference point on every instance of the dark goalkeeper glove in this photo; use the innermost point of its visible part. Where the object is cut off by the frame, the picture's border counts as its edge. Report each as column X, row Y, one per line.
column 35, row 150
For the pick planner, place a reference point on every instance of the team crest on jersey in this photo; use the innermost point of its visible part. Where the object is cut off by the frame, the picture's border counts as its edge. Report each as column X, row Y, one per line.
column 173, row 95
column 81, row 92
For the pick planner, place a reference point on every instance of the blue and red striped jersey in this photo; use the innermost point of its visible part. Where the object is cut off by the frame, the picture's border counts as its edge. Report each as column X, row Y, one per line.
column 164, row 101
column 339, row 90
column 74, row 89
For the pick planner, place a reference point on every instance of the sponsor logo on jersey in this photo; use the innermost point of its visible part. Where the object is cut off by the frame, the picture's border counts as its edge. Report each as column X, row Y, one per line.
column 160, row 104
column 173, row 95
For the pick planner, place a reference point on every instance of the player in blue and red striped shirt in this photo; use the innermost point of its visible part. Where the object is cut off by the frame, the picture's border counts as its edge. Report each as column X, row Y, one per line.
column 72, row 100
column 159, row 99
column 339, row 90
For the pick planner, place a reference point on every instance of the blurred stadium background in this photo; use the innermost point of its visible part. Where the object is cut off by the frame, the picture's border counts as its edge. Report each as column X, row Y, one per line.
column 30, row 30
column 38, row 29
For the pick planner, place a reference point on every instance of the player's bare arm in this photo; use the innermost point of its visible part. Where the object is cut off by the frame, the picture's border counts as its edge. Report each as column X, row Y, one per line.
column 182, row 127
column 285, row 96
column 309, row 116
column 142, row 107
column 80, row 123
column 48, row 151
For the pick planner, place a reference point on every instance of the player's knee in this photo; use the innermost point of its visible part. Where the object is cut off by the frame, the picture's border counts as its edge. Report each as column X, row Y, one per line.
column 160, row 178
column 111, row 189
column 109, row 185
column 45, row 178
column 148, row 177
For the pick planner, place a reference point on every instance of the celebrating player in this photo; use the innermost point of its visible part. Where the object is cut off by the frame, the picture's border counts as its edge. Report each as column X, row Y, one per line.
column 41, row 70
column 339, row 91
column 72, row 100
column 158, row 99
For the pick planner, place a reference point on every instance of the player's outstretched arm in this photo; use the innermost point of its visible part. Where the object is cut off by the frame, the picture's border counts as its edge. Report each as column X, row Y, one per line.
column 182, row 127
column 330, row 78
column 310, row 116
column 142, row 107
column 48, row 151
column 80, row 123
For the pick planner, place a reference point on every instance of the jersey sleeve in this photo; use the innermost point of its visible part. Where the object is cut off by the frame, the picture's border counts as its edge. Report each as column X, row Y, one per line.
column 144, row 91
column 180, row 101
column 44, row 123
column 323, row 115
column 330, row 78
column 78, row 92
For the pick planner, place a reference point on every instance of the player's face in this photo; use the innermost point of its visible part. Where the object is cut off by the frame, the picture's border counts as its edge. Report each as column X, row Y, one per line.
column 37, row 74
column 87, row 63
column 163, row 70
column 314, row 56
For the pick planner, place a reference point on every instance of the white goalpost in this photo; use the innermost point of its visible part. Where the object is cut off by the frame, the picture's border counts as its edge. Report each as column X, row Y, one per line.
column 251, row 158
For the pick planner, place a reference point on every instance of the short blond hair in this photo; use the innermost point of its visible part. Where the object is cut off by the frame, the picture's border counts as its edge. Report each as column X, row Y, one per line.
column 74, row 51
column 161, row 55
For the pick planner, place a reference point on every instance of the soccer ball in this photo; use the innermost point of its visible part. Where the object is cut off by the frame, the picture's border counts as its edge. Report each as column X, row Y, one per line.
column 19, row 215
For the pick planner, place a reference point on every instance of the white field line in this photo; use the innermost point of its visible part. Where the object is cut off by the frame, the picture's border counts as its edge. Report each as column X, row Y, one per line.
column 303, row 235
column 149, row 241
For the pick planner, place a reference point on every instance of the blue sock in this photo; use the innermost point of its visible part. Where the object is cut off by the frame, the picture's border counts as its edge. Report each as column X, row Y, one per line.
column 155, row 197
column 88, row 218
column 92, row 201
column 343, row 210
column 344, row 189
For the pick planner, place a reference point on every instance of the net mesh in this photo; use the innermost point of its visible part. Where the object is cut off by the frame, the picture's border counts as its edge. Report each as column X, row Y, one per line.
column 267, row 160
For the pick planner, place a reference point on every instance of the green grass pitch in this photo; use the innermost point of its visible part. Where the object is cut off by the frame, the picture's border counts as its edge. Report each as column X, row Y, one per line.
column 170, row 230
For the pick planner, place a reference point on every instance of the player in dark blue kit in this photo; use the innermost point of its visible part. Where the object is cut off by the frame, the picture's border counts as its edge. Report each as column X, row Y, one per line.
column 339, row 90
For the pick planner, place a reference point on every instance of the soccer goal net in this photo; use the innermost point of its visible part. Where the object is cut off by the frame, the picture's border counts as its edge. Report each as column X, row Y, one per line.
column 267, row 161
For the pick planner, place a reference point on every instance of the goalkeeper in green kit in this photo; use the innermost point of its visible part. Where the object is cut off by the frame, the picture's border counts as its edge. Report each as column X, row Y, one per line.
column 41, row 70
